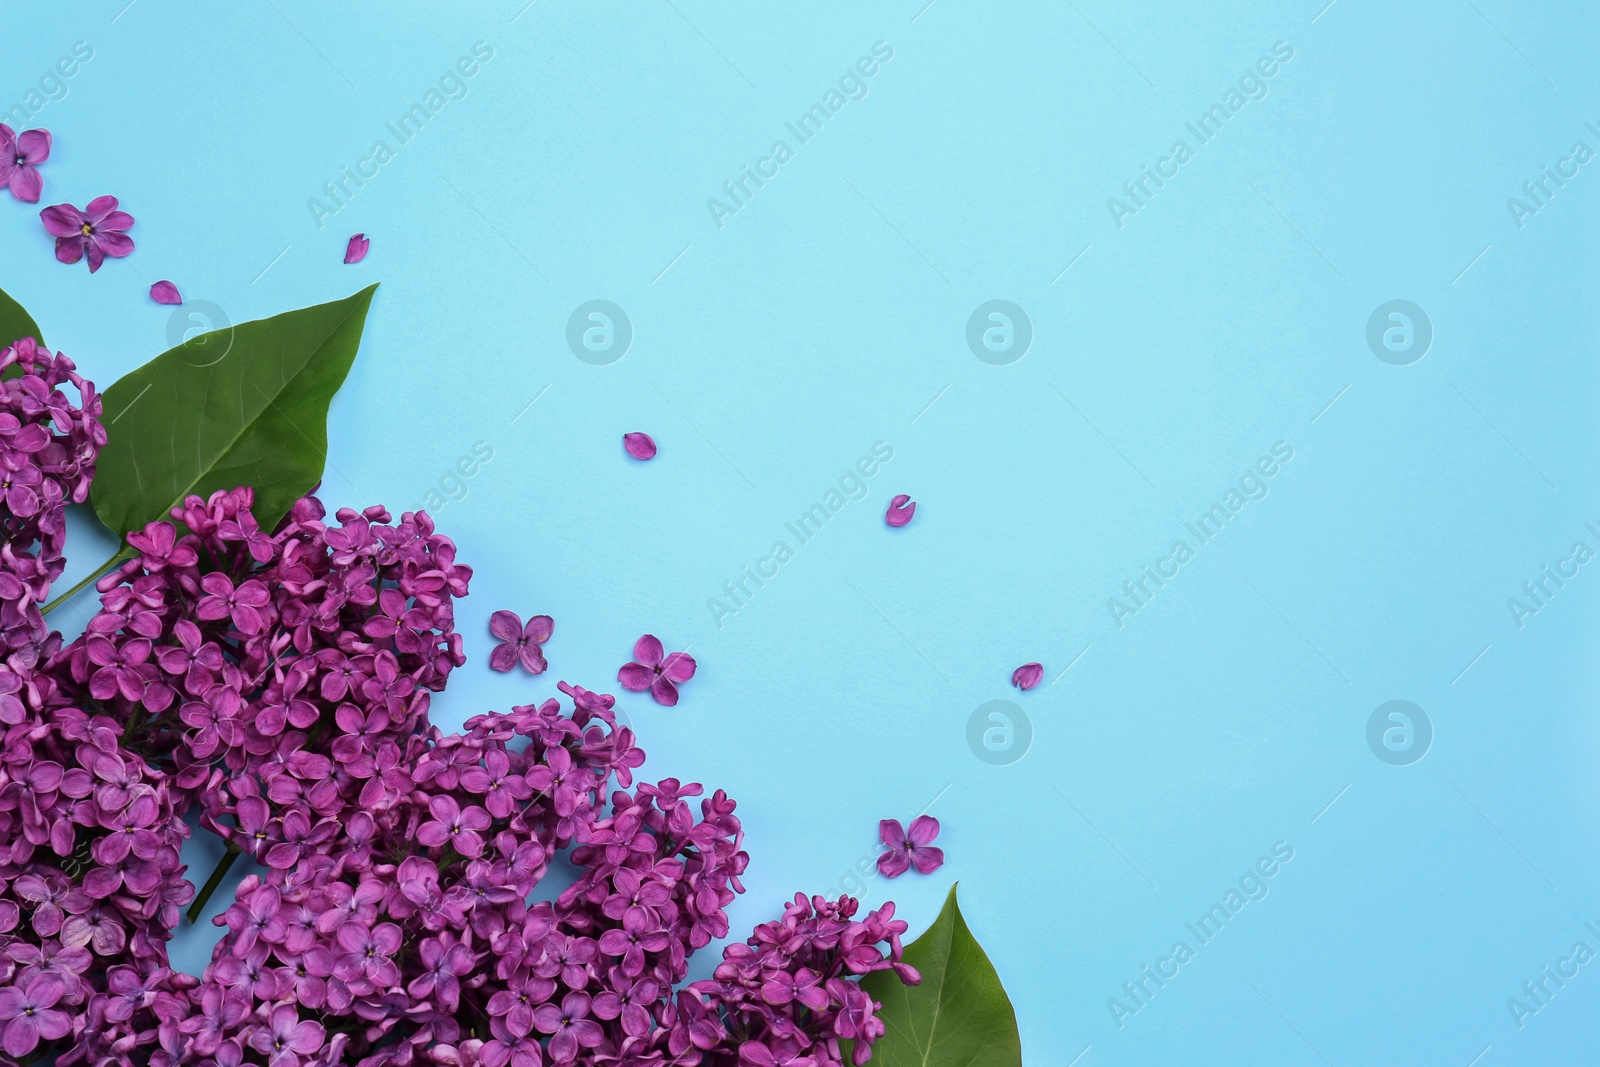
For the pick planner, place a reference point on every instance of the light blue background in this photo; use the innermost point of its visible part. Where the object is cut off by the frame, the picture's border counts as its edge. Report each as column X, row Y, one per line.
column 770, row 353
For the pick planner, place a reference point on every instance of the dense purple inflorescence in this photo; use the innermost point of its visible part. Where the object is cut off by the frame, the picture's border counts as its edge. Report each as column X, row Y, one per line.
column 275, row 686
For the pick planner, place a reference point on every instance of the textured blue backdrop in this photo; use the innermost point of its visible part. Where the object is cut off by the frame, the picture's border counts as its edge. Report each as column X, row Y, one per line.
column 1187, row 313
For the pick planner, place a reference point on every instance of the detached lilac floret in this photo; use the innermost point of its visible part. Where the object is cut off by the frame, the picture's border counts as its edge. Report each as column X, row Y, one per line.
column 98, row 231
column 519, row 643
column 910, row 849
column 48, row 448
column 652, row 669
column 30, row 1014
column 20, row 156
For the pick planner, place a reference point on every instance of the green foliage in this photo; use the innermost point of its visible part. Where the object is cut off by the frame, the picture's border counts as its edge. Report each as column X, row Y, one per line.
column 244, row 405
column 16, row 323
column 959, row 1016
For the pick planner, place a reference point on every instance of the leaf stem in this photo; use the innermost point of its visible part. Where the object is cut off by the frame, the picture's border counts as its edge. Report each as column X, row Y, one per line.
column 70, row 593
column 217, row 874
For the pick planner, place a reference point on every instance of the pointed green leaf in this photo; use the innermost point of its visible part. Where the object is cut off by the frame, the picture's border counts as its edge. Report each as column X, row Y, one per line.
column 243, row 405
column 16, row 323
column 959, row 1016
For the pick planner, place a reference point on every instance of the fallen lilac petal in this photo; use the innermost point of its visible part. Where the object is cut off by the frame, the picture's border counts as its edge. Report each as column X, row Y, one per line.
column 893, row 864
column 356, row 250
column 639, row 445
column 901, row 508
column 164, row 292
column 1027, row 676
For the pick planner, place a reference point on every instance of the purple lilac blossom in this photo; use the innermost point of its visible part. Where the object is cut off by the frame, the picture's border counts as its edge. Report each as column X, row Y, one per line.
column 276, row 686
column 520, row 643
column 98, row 231
column 20, row 156
column 910, row 848
column 656, row 671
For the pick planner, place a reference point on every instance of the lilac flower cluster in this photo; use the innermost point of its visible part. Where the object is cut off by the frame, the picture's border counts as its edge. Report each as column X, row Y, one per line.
column 48, row 446
column 413, row 939
column 92, row 885
column 285, row 658
column 276, row 687
column 90, row 879
column 785, row 998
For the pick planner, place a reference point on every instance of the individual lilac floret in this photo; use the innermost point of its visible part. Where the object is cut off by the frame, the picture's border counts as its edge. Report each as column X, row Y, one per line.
column 20, row 156
column 1027, row 676
column 656, row 672
column 910, row 849
column 639, row 445
column 98, row 231
column 30, row 1014
column 520, row 643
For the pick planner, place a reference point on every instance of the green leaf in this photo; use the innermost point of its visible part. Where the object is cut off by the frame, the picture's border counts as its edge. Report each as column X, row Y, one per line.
column 15, row 323
column 959, row 1016
column 243, row 405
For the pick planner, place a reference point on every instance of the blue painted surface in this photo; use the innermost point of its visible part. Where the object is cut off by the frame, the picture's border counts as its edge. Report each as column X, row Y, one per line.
column 779, row 338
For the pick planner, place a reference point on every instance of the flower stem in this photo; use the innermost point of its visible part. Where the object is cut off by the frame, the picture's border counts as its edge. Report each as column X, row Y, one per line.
column 210, row 887
column 70, row 593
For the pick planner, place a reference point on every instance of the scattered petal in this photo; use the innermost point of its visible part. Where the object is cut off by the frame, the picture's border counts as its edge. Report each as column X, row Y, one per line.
column 679, row 666
column 648, row 650
column 635, row 677
column 893, row 864
column 901, row 508
column 164, row 292
column 506, row 625
column 356, row 250
column 665, row 693
column 639, row 445
column 1027, row 676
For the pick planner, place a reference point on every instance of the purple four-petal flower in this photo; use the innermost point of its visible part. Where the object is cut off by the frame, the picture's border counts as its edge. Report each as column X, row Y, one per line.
column 656, row 671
